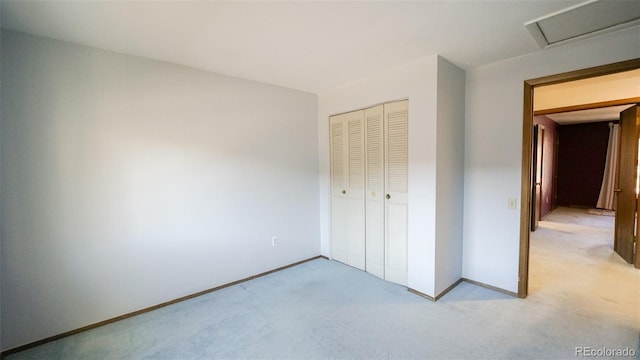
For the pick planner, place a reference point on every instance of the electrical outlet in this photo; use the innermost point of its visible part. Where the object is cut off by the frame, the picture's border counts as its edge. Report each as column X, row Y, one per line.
column 274, row 241
column 512, row 203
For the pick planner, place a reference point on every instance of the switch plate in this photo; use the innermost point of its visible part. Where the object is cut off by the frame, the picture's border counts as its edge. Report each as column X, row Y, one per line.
column 512, row 203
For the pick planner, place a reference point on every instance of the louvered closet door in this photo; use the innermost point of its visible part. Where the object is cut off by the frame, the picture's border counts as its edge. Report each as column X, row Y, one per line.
column 339, row 168
column 347, row 173
column 396, row 189
column 374, row 194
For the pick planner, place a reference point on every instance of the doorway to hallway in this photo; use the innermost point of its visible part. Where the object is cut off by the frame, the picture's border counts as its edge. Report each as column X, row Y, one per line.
column 528, row 179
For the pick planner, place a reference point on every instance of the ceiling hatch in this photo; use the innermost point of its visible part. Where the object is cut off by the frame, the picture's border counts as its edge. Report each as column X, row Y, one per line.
column 587, row 19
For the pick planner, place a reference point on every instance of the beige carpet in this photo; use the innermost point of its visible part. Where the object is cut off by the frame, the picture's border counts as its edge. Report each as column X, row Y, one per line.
column 601, row 212
column 572, row 262
column 581, row 295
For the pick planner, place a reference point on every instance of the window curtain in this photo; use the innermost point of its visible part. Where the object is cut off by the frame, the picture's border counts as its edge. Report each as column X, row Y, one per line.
column 607, row 199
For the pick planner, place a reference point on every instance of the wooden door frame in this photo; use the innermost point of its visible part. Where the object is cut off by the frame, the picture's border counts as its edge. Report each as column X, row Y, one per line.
column 536, row 197
column 527, row 143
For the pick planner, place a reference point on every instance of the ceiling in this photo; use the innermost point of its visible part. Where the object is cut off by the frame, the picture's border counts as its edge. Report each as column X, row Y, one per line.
column 307, row 45
column 587, row 92
column 610, row 113
column 606, row 88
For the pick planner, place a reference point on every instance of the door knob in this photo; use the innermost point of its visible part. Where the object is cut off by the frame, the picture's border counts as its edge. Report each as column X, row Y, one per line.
column 617, row 190
column 388, row 196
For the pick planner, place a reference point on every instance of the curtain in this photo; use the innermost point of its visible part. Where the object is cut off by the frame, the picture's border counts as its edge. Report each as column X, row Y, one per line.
column 607, row 199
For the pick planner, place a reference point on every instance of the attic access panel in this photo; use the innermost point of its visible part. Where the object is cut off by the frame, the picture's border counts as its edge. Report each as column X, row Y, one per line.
column 588, row 19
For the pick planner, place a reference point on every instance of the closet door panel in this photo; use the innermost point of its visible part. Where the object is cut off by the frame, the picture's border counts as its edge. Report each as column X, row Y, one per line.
column 356, row 250
column 339, row 168
column 374, row 193
column 396, row 189
column 396, row 245
column 339, row 230
column 347, row 189
column 355, row 190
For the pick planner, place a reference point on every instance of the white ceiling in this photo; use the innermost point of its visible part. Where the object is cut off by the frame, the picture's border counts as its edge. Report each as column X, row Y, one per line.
column 307, row 45
column 601, row 89
column 622, row 85
column 610, row 113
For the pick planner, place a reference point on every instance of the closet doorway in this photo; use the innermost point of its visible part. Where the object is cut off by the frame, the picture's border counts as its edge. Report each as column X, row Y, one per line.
column 369, row 189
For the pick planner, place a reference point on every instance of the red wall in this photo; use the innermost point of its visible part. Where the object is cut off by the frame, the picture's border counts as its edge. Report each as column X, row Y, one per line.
column 581, row 158
column 550, row 128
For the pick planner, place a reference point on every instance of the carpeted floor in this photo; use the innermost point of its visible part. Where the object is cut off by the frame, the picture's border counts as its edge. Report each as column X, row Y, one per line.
column 581, row 295
column 601, row 212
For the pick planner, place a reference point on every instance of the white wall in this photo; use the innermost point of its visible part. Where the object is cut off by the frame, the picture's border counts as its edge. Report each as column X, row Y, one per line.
column 418, row 82
column 493, row 148
column 128, row 182
column 450, row 175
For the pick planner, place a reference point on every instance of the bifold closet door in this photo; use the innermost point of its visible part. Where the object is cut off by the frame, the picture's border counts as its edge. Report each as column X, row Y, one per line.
column 396, row 165
column 374, row 193
column 347, row 189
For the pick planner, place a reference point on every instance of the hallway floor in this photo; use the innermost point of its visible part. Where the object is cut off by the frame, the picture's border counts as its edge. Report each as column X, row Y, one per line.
column 572, row 262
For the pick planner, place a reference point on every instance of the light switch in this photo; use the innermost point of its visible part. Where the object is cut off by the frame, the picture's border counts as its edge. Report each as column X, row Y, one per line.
column 512, row 203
